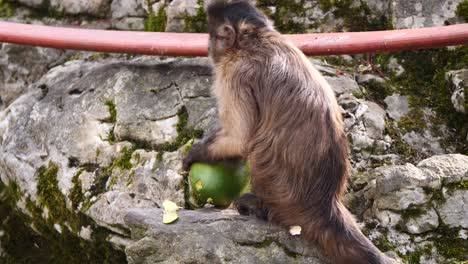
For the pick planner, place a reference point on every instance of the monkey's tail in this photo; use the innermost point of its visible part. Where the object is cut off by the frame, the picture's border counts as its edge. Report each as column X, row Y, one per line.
column 340, row 238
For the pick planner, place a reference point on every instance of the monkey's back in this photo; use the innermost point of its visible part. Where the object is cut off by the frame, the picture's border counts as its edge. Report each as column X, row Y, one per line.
column 297, row 147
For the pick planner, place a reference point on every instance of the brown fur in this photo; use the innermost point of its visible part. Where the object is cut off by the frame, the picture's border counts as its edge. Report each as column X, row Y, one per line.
column 277, row 111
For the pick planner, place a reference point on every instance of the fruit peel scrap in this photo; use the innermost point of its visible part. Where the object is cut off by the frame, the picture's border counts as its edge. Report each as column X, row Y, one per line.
column 295, row 230
column 170, row 212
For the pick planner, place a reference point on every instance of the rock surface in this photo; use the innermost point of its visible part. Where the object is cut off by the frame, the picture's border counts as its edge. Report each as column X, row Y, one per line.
column 125, row 8
column 103, row 135
column 397, row 106
column 423, row 223
column 459, row 82
column 454, row 212
column 177, row 11
column 93, row 7
column 16, row 73
column 424, row 13
column 207, row 236
column 427, row 202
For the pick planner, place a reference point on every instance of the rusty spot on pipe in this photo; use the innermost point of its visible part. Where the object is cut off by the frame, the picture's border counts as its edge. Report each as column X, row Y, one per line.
column 193, row 44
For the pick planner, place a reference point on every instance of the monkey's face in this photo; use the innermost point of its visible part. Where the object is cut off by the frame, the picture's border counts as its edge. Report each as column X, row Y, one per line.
column 233, row 25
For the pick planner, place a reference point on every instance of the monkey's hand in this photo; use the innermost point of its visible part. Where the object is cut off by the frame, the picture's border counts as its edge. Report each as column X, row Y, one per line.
column 195, row 153
column 214, row 147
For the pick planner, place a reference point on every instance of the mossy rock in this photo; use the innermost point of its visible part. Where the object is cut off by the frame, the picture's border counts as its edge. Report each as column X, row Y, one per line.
column 462, row 10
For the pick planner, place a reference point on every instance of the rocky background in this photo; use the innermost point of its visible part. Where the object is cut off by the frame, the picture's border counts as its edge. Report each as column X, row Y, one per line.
column 90, row 144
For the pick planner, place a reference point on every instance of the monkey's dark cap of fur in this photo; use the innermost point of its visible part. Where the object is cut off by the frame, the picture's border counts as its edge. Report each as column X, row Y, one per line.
column 235, row 12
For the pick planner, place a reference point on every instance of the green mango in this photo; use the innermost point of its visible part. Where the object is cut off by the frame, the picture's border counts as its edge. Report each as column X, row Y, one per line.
column 218, row 183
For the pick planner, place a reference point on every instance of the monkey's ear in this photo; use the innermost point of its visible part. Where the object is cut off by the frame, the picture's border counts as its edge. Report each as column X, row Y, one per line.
column 227, row 35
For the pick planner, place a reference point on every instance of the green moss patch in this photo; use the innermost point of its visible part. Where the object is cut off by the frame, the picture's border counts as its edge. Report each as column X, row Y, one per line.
column 76, row 192
column 285, row 11
column 381, row 242
column 414, row 257
column 463, row 185
column 437, row 195
column 7, row 9
column 112, row 111
column 110, row 137
column 413, row 121
column 103, row 174
column 155, row 22
column 424, row 81
column 356, row 17
column 159, row 156
column 53, row 237
column 426, row 84
column 197, row 22
column 377, row 91
column 445, row 239
column 74, row 56
column 398, row 146
column 98, row 56
column 413, row 212
column 184, row 135
column 449, row 244
column 49, row 195
column 123, row 162
column 462, row 10
column 451, row 187
column 446, row 242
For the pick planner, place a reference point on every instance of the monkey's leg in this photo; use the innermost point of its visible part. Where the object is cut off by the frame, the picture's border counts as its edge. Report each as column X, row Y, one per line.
column 218, row 145
column 250, row 204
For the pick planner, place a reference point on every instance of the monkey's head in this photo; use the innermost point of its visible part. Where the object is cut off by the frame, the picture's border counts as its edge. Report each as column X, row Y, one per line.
column 232, row 25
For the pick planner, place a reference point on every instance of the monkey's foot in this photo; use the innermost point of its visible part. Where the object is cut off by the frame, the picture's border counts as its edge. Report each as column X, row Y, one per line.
column 250, row 204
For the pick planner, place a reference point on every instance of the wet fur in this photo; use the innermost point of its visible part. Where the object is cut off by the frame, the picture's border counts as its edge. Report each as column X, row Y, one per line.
column 277, row 111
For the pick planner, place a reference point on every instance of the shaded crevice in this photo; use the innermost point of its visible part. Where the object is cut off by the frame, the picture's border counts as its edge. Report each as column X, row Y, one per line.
column 226, row 219
column 157, row 91
column 75, row 91
column 44, row 89
column 159, row 119
column 266, row 243
column 178, row 91
column 197, row 97
column 73, row 162
column 184, row 135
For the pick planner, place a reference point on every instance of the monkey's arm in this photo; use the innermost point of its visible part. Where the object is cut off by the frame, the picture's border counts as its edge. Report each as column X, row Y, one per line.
column 218, row 145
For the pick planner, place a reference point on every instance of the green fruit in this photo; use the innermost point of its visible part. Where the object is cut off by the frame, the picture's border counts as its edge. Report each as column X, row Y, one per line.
column 218, row 183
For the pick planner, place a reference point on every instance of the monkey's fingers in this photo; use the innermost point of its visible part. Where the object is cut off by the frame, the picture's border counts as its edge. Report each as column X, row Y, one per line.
column 187, row 162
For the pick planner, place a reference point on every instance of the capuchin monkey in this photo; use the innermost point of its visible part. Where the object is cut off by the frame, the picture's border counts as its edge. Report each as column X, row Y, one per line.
column 280, row 114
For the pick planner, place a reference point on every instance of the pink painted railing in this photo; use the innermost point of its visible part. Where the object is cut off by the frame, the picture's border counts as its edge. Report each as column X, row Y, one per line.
column 193, row 44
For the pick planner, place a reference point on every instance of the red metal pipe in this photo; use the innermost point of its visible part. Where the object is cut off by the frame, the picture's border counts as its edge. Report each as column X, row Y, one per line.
column 192, row 44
